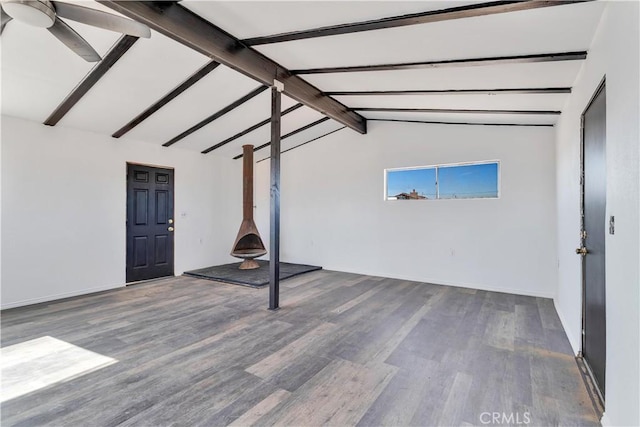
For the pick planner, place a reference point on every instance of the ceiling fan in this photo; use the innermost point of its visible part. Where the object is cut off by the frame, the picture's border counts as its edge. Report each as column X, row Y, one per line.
column 47, row 14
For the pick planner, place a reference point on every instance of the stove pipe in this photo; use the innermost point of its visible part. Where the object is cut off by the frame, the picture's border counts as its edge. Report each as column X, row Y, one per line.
column 248, row 244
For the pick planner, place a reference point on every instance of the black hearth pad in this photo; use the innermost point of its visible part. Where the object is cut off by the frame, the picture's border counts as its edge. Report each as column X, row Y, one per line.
column 257, row 278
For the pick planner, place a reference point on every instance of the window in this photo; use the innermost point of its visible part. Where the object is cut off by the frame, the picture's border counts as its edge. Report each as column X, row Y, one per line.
column 456, row 181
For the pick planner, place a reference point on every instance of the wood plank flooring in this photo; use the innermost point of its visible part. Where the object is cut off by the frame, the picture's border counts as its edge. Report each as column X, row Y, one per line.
column 343, row 350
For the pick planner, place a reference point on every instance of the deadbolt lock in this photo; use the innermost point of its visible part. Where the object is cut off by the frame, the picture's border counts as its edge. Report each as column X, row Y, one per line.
column 582, row 251
column 170, row 228
column 171, row 221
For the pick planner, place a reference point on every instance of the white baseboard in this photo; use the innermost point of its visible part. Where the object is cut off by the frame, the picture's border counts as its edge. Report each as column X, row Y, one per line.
column 605, row 421
column 49, row 298
column 569, row 331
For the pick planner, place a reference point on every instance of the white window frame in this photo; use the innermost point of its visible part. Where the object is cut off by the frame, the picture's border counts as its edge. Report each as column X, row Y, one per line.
column 444, row 165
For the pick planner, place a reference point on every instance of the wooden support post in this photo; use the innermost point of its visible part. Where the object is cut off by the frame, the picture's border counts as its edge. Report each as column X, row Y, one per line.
column 274, row 237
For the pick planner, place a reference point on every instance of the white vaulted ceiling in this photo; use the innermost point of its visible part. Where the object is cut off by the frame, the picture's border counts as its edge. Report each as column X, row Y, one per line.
column 557, row 29
column 38, row 71
column 246, row 19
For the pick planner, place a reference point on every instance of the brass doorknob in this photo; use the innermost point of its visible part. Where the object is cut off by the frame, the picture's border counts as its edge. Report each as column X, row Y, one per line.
column 170, row 228
column 582, row 251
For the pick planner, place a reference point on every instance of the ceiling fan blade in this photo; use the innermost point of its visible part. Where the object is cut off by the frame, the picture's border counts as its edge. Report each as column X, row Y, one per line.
column 5, row 19
column 74, row 41
column 98, row 18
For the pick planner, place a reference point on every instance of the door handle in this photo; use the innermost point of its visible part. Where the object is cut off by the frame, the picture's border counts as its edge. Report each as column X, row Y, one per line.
column 170, row 228
column 582, row 251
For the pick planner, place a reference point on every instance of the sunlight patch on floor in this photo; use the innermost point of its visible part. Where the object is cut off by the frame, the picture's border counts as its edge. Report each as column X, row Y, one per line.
column 41, row 362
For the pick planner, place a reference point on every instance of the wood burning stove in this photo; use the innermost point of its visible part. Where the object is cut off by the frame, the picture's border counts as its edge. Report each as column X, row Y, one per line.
column 248, row 244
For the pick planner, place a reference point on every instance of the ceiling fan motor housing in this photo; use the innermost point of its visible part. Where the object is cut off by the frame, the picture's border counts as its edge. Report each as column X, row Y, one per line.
column 39, row 13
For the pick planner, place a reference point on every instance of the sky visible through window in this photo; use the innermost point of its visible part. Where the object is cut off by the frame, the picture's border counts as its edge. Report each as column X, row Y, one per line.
column 405, row 181
column 459, row 182
column 454, row 182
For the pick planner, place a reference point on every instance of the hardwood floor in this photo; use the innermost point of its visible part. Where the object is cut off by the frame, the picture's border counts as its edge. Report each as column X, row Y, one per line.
column 344, row 349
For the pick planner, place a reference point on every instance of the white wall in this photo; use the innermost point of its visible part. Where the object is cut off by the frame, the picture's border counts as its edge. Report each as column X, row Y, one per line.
column 614, row 53
column 64, row 209
column 334, row 215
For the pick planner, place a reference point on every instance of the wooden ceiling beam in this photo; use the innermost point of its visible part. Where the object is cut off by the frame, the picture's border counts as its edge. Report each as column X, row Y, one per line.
column 431, row 122
column 452, row 110
column 97, row 72
column 306, row 142
column 190, row 81
column 520, row 91
column 248, row 130
column 467, row 62
column 188, row 28
column 294, row 132
column 235, row 104
column 448, row 14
